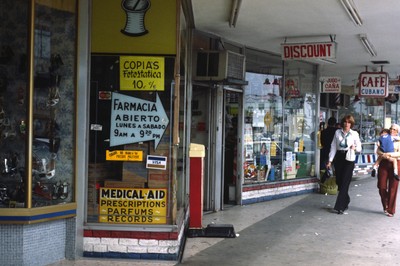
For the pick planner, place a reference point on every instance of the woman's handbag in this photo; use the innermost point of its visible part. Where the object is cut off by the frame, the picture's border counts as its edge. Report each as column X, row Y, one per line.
column 327, row 183
column 350, row 155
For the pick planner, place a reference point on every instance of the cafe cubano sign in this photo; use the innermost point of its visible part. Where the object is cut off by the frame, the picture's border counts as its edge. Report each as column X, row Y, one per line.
column 136, row 120
column 317, row 50
column 373, row 84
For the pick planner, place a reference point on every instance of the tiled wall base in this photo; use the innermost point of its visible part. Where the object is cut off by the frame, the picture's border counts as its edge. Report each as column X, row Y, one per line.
column 266, row 192
column 133, row 245
column 37, row 244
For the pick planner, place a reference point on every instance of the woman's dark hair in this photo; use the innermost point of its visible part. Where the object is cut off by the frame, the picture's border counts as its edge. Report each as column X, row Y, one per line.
column 331, row 121
column 348, row 118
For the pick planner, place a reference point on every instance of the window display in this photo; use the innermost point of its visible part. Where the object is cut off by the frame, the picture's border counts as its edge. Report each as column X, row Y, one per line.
column 130, row 155
column 279, row 137
column 263, row 128
column 37, row 124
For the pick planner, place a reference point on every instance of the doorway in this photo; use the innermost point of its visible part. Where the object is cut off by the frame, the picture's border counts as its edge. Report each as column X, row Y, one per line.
column 216, row 116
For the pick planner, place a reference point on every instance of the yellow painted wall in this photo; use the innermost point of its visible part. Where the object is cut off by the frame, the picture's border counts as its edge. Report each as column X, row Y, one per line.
column 108, row 19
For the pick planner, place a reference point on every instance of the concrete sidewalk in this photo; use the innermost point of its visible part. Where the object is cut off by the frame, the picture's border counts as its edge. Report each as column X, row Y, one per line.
column 308, row 232
column 301, row 230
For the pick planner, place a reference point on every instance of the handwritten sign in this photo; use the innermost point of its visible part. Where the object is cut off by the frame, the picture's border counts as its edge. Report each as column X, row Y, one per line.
column 135, row 120
column 133, row 206
column 142, row 73
column 124, row 155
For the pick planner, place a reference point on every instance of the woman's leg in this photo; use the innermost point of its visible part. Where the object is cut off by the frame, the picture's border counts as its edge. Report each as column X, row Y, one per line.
column 343, row 199
column 385, row 169
column 392, row 194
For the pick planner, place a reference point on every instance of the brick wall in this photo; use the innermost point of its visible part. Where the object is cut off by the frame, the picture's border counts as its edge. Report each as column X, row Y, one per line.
column 133, row 245
column 270, row 191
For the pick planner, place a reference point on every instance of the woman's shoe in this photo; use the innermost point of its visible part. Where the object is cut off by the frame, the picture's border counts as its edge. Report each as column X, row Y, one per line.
column 390, row 215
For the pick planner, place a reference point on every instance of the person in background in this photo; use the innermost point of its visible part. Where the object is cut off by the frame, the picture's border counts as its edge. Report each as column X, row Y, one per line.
column 343, row 140
column 387, row 183
column 326, row 139
column 385, row 144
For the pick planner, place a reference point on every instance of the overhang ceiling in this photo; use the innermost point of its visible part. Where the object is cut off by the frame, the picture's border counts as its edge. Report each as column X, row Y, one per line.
column 265, row 24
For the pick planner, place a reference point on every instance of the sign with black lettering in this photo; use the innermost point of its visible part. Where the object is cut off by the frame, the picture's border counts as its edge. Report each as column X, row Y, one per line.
column 135, row 120
column 133, row 206
column 124, row 156
column 142, row 73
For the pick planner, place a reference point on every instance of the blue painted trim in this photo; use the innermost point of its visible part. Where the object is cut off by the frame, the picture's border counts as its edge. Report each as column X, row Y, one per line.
column 137, row 256
column 37, row 217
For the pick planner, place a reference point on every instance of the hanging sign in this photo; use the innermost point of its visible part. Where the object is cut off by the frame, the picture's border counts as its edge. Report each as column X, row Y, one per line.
column 374, row 84
column 394, row 86
column 135, row 120
column 331, row 84
column 318, row 50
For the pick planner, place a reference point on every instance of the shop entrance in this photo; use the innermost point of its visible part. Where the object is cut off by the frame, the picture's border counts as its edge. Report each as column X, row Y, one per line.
column 216, row 113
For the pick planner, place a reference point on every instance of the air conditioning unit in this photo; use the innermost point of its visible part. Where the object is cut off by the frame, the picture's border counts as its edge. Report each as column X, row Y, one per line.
column 218, row 66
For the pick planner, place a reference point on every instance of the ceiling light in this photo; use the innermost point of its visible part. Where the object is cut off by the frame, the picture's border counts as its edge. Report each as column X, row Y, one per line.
column 351, row 10
column 234, row 12
column 367, row 44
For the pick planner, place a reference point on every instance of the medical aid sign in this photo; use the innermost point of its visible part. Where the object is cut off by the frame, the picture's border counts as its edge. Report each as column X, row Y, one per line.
column 373, row 84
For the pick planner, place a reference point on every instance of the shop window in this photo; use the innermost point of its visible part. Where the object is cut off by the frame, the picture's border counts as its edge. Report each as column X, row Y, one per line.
column 279, row 127
column 130, row 141
column 263, row 128
column 37, row 107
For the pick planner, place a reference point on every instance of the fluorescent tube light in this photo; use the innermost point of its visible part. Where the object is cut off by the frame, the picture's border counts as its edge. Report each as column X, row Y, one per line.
column 367, row 44
column 351, row 10
column 234, row 12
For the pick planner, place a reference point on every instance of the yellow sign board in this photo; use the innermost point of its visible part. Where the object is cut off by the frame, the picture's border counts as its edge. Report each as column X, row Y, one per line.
column 156, row 25
column 133, row 206
column 142, row 73
column 124, row 155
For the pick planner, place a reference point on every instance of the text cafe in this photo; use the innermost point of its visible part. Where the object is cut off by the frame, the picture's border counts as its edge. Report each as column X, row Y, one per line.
column 373, row 84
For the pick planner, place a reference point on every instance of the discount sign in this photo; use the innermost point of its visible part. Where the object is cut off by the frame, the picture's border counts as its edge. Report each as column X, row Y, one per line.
column 135, row 120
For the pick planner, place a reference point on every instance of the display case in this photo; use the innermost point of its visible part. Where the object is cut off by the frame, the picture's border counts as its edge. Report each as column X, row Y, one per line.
column 37, row 110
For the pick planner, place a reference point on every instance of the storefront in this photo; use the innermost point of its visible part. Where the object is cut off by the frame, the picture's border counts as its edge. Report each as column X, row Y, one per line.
column 92, row 161
column 38, row 69
column 281, row 107
column 95, row 134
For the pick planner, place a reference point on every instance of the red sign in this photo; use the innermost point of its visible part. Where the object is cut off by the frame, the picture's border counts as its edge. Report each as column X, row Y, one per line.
column 374, row 84
column 324, row 50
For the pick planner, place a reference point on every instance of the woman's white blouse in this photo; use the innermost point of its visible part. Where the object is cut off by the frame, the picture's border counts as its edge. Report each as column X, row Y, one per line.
column 353, row 138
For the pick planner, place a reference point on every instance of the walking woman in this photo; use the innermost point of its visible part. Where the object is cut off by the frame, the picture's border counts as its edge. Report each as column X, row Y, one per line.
column 387, row 183
column 345, row 139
